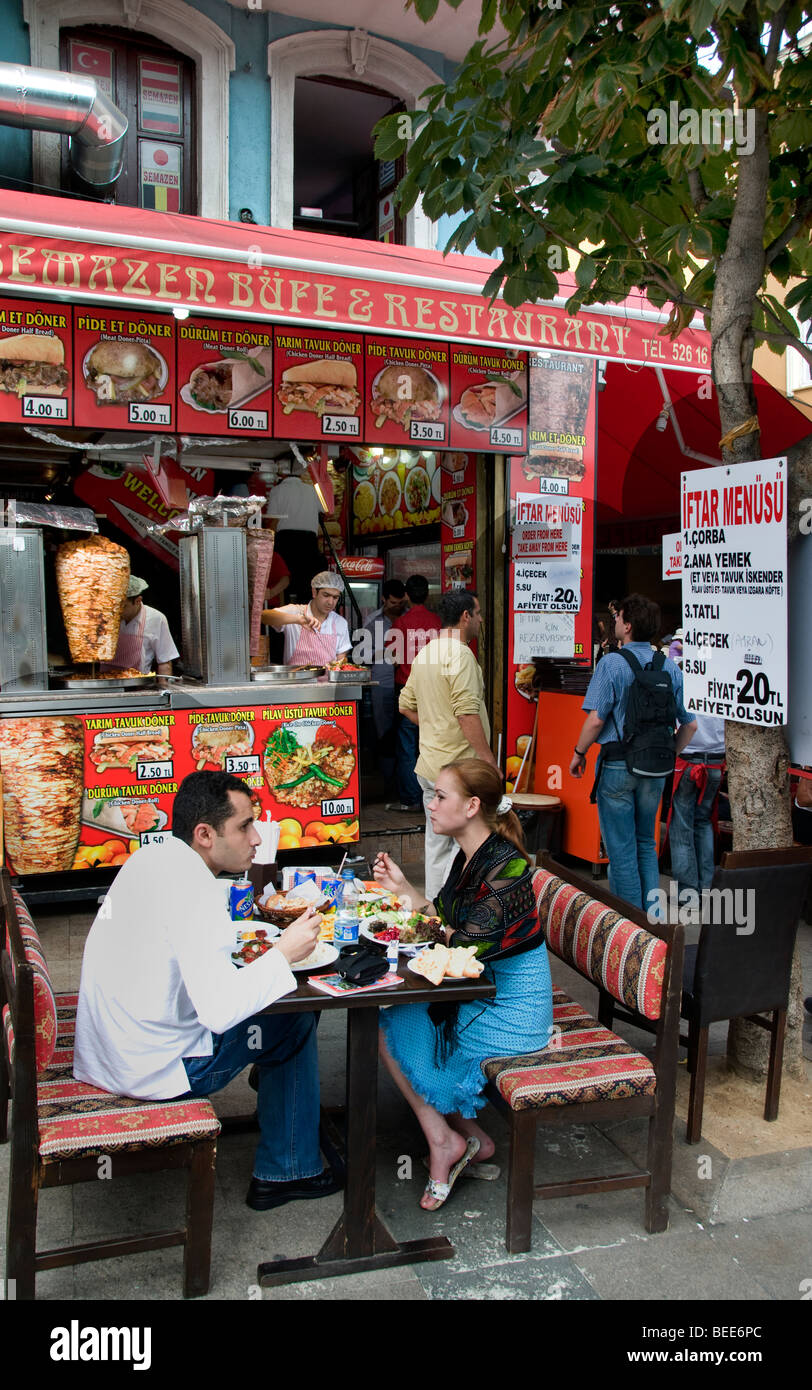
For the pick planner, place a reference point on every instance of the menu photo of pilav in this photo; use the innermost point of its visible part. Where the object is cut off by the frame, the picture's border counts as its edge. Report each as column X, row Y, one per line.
column 307, row 761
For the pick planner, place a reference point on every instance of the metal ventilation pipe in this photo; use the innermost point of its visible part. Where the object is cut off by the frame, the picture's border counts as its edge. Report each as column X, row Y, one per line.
column 39, row 99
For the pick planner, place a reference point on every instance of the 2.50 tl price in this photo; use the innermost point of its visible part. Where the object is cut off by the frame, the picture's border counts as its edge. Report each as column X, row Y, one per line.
column 147, row 772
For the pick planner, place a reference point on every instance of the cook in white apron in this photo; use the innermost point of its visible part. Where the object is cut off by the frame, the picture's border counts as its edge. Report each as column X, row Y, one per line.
column 314, row 634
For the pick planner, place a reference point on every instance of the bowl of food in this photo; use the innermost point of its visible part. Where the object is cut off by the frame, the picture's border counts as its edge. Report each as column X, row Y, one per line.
column 280, row 910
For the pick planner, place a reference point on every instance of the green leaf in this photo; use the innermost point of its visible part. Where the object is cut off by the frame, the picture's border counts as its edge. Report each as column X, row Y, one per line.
column 236, row 356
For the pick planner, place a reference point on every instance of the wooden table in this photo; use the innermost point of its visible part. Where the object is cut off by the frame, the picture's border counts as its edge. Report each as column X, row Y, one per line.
column 360, row 1240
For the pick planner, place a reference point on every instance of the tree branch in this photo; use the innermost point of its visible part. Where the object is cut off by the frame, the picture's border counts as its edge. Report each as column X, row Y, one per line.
column 774, row 46
column 797, row 221
column 699, row 196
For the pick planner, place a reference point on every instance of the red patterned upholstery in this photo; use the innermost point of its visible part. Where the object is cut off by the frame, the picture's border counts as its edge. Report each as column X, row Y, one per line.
column 583, row 1062
column 44, row 1001
column 616, row 955
column 77, row 1120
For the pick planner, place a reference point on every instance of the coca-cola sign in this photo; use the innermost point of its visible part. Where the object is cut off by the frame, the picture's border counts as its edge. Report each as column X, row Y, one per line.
column 363, row 567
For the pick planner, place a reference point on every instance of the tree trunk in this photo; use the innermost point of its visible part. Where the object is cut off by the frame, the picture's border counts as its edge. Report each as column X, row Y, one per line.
column 757, row 759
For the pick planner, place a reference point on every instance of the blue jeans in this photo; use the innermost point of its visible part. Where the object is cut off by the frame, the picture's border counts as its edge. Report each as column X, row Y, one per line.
column 408, row 750
column 286, row 1055
column 627, row 809
column 690, row 833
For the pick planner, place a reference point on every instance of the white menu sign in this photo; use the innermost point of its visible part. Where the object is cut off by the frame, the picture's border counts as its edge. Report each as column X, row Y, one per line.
column 734, row 591
column 547, row 557
column 672, row 555
column 542, row 634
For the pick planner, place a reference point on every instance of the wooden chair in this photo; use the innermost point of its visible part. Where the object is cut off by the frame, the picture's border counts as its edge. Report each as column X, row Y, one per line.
column 588, row 1073
column 742, row 969
column 61, row 1127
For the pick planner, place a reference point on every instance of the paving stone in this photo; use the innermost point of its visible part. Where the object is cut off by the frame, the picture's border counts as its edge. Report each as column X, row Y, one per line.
column 524, row 1277
column 675, row 1266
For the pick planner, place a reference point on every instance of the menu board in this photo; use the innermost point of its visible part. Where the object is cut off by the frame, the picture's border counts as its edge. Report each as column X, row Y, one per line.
column 560, row 470
column 318, row 384
column 734, row 591
column 407, row 385
column 37, row 361
column 124, row 370
column 458, row 535
column 394, row 490
column 225, row 377
column 488, row 399
column 300, row 761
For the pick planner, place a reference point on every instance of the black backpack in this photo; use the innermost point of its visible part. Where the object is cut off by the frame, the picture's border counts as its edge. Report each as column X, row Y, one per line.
column 650, row 729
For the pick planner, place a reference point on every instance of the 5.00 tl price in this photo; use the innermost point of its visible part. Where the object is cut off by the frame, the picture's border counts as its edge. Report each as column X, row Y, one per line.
column 142, row 414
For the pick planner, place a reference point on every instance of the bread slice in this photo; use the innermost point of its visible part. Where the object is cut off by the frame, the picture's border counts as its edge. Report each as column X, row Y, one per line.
column 33, row 347
column 325, row 371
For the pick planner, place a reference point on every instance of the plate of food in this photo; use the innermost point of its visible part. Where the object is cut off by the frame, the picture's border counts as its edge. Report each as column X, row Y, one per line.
column 364, row 500
column 307, row 760
column 213, row 743
column 417, row 490
column 402, row 393
column 124, row 370
column 389, row 493
column 252, row 945
column 491, row 402
column 411, row 930
column 455, row 514
column 323, row 954
column 438, row 963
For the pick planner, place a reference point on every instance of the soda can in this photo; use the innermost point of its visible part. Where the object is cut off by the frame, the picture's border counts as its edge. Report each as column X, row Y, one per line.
column 241, row 901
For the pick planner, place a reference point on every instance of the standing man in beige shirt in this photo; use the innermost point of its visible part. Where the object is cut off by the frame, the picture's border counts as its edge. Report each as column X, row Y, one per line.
column 445, row 697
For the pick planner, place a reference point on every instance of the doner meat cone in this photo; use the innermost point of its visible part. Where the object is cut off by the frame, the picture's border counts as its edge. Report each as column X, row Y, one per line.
column 92, row 577
column 42, row 762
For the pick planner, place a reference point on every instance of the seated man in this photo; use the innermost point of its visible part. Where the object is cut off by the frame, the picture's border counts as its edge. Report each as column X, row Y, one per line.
column 163, row 1011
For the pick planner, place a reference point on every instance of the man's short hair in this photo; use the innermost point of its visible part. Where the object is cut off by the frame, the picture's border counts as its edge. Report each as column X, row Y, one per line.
column 644, row 616
column 393, row 588
column 203, row 798
column 453, row 604
column 417, row 587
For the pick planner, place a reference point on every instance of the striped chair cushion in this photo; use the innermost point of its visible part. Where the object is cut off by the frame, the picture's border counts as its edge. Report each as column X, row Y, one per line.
column 583, row 1062
column 44, row 1001
column 608, row 949
column 78, row 1120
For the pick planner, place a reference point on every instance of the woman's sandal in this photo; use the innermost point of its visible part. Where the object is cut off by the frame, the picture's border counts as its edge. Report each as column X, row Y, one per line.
column 484, row 1172
column 441, row 1191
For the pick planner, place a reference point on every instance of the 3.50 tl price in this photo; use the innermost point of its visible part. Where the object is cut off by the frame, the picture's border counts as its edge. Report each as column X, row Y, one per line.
column 243, row 766
column 427, row 431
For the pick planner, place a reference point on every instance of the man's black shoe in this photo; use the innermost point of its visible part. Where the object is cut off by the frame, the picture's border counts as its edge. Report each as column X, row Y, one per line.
column 262, row 1196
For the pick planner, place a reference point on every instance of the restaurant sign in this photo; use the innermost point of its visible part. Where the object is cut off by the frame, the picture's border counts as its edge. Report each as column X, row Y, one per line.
column 254, row 287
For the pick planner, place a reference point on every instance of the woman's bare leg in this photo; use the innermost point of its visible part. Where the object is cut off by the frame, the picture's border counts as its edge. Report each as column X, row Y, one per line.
column 471, row 1130
column 446, row 1145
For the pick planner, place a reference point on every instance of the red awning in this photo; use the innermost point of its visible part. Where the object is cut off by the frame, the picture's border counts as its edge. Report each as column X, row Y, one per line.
column 639, row 466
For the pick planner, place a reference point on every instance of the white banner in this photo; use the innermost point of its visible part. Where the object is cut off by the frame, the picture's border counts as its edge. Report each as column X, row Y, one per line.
column 734, row 591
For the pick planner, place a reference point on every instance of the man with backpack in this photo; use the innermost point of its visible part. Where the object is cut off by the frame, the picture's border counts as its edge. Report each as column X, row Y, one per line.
column 634, row 702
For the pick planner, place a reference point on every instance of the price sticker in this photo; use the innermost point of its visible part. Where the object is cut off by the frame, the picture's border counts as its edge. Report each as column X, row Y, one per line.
column 256, row 420
column 44, row 408
column 458, row 532
column 504, row 438
column 341, row 424
column 141, row 413
column 558, row 486
column 343, row 806
column 244, row 766
column 154, row 837
column 458, row 477
column 145, row 772
column 427, row 431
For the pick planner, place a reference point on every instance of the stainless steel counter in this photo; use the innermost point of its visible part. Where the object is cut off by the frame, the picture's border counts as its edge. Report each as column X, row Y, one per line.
column 178, row 695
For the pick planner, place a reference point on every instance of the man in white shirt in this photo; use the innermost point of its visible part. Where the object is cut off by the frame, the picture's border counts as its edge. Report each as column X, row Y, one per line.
column 299, row 510
column 163, row 1011
column 144, row 639
column 314, row 633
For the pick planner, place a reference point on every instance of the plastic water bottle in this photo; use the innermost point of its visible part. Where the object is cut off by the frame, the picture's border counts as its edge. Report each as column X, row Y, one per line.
column 346, row 923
